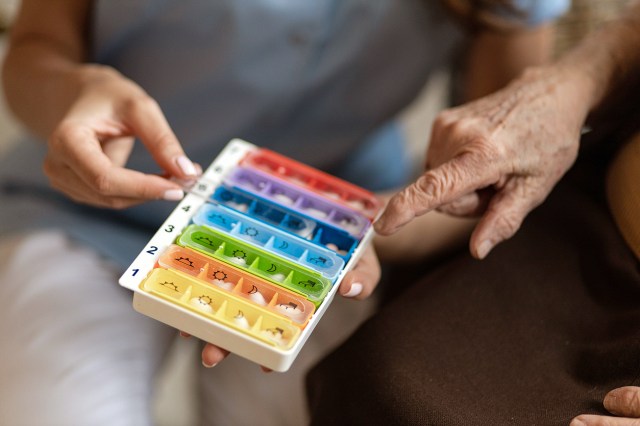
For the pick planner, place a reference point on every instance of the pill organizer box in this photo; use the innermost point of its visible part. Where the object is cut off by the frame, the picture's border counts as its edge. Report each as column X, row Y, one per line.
column 252, row 256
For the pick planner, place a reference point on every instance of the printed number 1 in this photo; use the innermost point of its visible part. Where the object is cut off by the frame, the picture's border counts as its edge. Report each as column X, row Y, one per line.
column 135, row 271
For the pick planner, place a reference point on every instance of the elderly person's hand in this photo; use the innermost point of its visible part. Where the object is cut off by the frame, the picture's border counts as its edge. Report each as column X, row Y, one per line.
column 500, row 156
column 623, row 402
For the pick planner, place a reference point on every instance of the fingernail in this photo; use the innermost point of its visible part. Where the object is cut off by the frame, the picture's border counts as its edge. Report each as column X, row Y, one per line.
column 484, row 248
column 380, row 224
column 173, row 195
column 186, row 166
column 209, row 365
column 356, row 289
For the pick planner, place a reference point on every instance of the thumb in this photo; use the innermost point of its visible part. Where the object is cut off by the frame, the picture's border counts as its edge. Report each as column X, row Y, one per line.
column 360, row 282
column 145, row 118
column 505, row 214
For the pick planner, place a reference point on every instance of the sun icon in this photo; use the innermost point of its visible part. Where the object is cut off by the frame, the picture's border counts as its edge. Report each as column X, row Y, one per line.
column 172, row 286
column 239, row 254
column 204, row 240
column 220, row 275
column 185, row 261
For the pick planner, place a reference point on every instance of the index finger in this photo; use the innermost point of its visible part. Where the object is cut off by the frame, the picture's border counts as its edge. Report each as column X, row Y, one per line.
column 84, row 155
column 444, row 184
column 145, row 118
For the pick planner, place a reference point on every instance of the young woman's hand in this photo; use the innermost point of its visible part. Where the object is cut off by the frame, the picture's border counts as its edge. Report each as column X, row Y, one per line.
column 88, row 150
column 360, row 282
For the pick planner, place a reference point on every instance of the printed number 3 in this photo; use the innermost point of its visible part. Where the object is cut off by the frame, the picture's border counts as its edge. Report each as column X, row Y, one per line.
column 169, row 228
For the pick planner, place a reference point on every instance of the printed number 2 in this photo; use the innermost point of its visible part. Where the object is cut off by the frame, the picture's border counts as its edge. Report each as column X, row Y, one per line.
column 152, row 250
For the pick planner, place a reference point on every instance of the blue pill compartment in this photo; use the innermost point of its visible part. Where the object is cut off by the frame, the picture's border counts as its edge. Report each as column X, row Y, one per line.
column 309, row 255
column 289, row 221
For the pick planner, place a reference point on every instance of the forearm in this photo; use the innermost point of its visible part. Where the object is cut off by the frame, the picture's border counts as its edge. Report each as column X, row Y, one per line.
column 496, row 57
column 44, row 69
column 41, row 86
column 608, row 60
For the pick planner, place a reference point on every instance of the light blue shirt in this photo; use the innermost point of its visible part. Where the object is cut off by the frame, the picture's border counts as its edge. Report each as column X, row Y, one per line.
column 320, row 81
column 536, row 12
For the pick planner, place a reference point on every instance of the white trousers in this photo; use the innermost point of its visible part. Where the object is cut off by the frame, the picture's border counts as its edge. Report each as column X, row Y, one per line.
column 74, row 352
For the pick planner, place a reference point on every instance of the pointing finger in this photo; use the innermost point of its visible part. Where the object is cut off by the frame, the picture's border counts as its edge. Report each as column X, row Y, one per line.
column 460, row 176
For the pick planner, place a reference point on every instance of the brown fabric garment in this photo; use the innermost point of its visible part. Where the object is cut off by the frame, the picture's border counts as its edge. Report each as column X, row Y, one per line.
column 535, row 334
column 623, row 192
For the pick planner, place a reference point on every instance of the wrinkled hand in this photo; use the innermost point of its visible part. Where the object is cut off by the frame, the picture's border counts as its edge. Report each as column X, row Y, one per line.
column 623, row 402
column 498, row 157
column 89, row 148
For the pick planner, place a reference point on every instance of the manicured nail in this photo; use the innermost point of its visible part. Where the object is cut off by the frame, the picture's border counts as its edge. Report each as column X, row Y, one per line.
column 173, row 195
column 484, row 248
column 186, row 166
column 356, row 289
column 209, row 365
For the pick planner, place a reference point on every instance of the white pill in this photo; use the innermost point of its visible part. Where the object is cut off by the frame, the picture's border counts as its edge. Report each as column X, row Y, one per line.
column 316, row 212
column 357, row 204
column 282, row 198
column 238, row 206
column 238, row 260
column 274, row 334
column 202, row 303
column 289, row 309
column 256, row 297
column 302, row 232
column 331, row 194
column 241, row 321
column 332, row 246
column 278, row 277
column 223, row 284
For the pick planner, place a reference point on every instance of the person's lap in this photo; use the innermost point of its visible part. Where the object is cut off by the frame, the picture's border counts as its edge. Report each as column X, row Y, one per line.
column 535, row 334
column 73, row 349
